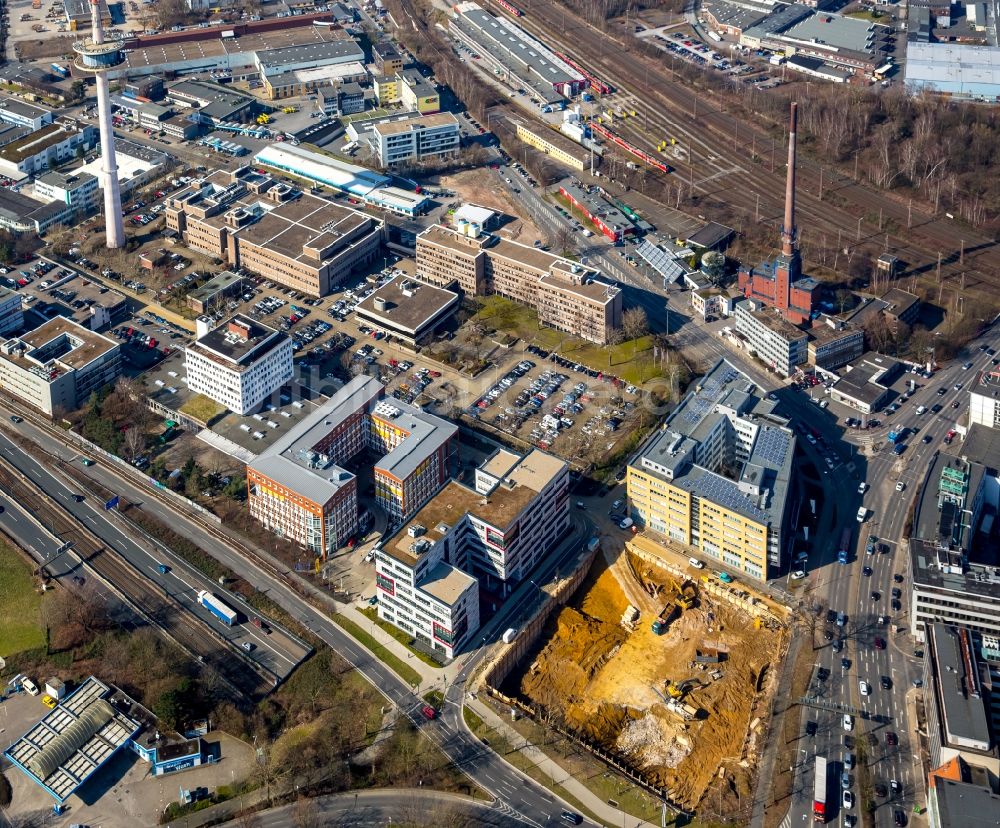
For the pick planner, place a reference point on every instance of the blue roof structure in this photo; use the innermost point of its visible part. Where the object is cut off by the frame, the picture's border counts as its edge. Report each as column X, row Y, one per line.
column 75, row 739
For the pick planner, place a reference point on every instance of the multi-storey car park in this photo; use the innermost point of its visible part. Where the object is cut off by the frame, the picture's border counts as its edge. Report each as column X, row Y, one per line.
column 465, row 539
column 716, row 476
column 299, row 488
column 274, row 230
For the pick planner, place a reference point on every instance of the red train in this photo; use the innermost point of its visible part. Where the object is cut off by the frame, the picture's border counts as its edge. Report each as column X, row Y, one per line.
column 652, row 160
column 514, row 10
column 595, row 83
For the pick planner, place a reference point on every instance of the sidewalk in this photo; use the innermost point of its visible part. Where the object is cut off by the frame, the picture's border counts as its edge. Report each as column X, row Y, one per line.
column 555, row 772
column 433, row 677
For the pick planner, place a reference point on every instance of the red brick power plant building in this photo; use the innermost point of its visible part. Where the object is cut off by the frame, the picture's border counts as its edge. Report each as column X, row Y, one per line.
column 779, row 282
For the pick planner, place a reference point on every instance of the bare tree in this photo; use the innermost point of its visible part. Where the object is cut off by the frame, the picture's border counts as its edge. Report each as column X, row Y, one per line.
column 615, row 336
column 635, row 324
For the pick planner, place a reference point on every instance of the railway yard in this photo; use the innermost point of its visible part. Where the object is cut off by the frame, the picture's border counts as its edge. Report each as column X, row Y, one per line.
column 729, row 162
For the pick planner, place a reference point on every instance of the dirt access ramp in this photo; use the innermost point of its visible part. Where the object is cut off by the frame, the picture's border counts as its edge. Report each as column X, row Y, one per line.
column 609, row 683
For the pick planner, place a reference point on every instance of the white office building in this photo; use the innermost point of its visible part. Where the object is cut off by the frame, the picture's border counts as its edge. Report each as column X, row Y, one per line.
column 11, row 312
column 55, row 367
column 428, row 573
column 773, row 340
column 417, row 139
column 238, row 364
column 984, row 401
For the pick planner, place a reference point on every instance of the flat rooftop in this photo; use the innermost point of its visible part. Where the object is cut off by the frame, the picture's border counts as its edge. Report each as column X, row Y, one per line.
column 982, row 443
column 778, row 325
column 410, row 303
column 287, row 228
column 341, row 50
column 959, row 693
column 551, row 136
column 238, row 342
column 438, row 119
column 862, row 379
column 521, row 479
column 822, row 333
column 228, row 52
column 87, row 346
column 446, row 583
column 972, row 806
column 23, row 108
column 215, row 285
column 38, row 141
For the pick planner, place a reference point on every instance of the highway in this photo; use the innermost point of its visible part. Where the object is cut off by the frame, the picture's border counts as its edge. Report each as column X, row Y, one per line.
column 170, row 597
column 850, row 589
column 518, row 795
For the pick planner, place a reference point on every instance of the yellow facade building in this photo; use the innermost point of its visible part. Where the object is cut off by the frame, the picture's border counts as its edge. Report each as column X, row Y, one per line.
column 716, row 477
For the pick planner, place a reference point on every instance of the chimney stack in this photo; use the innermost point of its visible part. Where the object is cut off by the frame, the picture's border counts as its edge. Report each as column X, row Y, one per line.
column 788, row 234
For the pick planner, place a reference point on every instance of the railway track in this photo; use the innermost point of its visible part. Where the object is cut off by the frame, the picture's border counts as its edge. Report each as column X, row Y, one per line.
column 668, row 109
column 149, row 602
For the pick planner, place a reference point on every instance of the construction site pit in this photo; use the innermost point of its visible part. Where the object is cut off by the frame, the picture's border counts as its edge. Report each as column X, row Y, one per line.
column 684, row 707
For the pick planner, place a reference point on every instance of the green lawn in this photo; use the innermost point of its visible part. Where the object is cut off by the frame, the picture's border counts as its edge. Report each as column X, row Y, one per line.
column 403, row 638
column 632, row 360
column 21, row 625
column 393, row 662
column 202, row 408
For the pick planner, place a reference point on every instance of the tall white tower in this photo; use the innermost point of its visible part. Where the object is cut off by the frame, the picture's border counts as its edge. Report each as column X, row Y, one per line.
column 96, row 56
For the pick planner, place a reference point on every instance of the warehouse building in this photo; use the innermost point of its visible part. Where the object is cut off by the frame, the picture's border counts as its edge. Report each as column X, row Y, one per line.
column 428, row 137
column 552, row 142
column 56, row 366
column 514, row 55
column 717, row 476
column 74, row 740
column 954, row 70
column 600, row 212
column 428, row 574
column 212, row 103
column 309, row 56
column 296, row 239
column 408, row 309
column 777, row 343
column 239, row 364
column 357, row 182
column 298, row 488
column 279, row 83
column 566, row 295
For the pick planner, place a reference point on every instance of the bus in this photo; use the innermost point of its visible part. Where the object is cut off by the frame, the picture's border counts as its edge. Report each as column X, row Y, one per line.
column 845, row 545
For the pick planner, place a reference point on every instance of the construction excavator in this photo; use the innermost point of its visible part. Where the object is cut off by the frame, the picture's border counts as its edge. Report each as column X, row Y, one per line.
column 679, row 689
column 687, row 594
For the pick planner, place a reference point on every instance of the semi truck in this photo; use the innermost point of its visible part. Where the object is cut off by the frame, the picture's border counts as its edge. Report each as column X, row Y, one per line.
column 219, row 608
column 819, row 791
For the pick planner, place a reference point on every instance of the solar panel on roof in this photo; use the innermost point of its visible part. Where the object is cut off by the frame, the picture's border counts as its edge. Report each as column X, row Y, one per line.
column 772, row 445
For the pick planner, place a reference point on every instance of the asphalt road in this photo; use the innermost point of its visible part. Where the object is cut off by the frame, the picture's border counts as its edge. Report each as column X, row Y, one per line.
column 517, row 794
column 849, row 590
column 380, row 808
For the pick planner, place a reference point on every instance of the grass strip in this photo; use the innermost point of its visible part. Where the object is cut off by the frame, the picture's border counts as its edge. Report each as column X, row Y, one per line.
column 402, row 669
